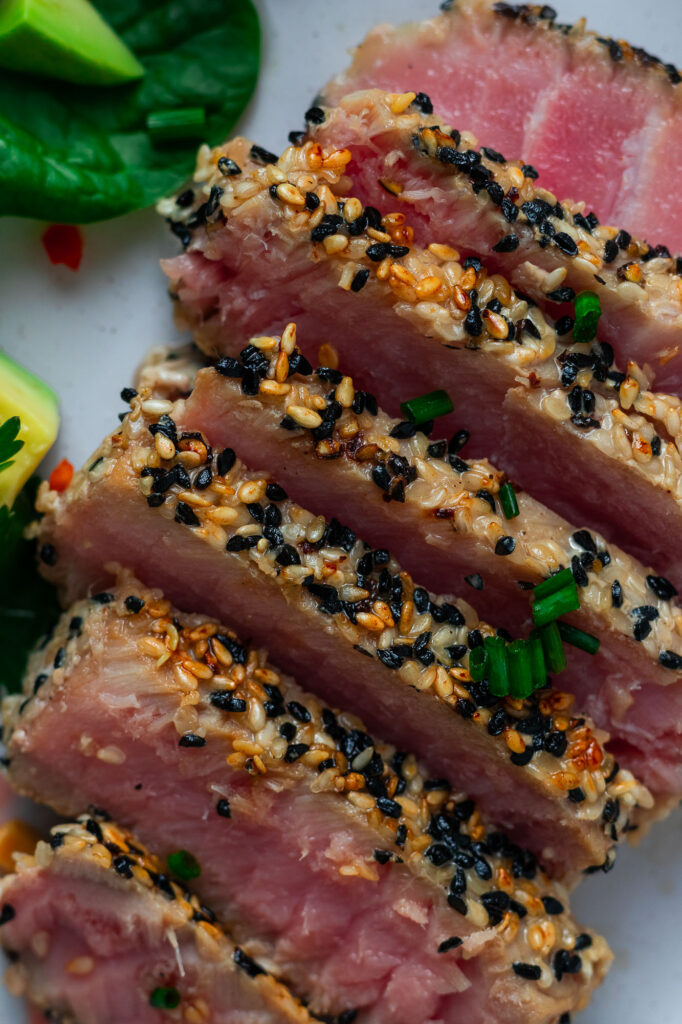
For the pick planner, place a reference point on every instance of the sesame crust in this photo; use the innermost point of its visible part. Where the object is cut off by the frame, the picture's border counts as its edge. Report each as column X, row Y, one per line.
column 96, row 846
column 409, row 467
column 230, row 695
column 374, row 605
column 616, row 259
column 455, row 301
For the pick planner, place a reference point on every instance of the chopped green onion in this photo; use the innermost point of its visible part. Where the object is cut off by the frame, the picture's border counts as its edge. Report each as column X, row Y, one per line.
column 498, row 669
column 554, row 583
column 520, row 670
column 427, row 407
column 183, row 865
column 510, row 505
column 176, row 125
column 555, row 656
column 537, row 660
column 164, row 998
column 478, row 660
column 551, row 607
column 587, row 314
column 578, row 638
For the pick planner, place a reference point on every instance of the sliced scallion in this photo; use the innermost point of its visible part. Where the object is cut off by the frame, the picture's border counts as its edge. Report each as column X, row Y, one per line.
column 176, row 125
column 520, row 669
column 165, row 997
column 478, row 660
column 510, row 505
column 427, row 407
column 587, row 314
column 579, row 638
column 553, row 648
column 553, row 605
column 498, row 668
column 554, row 583
column 183, row 865
column 537, row 661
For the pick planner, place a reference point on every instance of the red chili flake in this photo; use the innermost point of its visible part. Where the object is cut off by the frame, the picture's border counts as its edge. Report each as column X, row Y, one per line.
column 61, row 476
column 63, row 243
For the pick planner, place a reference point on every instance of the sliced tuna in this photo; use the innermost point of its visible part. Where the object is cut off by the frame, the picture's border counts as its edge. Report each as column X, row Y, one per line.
column 98, row 933
column 404, row 320
column 377, row 892
column 401, row 490
column 596, row 116
column 228, row 541
column 483, row 206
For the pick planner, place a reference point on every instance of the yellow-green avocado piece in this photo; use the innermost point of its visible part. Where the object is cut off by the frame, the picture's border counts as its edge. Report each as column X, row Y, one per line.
column 65, row 39
column 26, row 396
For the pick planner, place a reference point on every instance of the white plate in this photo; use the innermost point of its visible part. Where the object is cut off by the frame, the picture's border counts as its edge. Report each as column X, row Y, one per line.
column 85, row 333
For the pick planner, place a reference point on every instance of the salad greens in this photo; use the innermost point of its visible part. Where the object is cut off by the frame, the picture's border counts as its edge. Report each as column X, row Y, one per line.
column 78, row 155
column 28, row 605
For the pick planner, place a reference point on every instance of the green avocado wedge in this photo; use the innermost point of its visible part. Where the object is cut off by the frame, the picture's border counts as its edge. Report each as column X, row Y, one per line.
column 66, row 39
column 74, row 154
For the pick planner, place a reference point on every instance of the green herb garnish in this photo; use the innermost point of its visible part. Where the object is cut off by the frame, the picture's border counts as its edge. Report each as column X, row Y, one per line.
column 510, row 505
column 478, row 663
column 552, row 647
column 165, row 997
column 28, row 604
column 561, row 602
column 579, row 638
column 520, row 669
column 76, row 155
column 9, row 445
column 587, row 313
column 183, row 865
column 427, row 407
column 171, row 125
column 553, row 583
column 498, row 668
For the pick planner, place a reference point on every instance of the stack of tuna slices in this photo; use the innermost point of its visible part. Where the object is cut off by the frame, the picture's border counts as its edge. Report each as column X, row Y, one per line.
column 367, row 828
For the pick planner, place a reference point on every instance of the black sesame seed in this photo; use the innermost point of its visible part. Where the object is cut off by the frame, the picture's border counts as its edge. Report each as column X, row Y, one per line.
column 227, row 701
column 103, row 597
column 564, row 294
column 669, row 659
column 552, row 905
column 449, row 944
column 563, row 325
column 585, row 540
column 507, row 244
column 185, row 514
column 391, row 808
column 566, row 962
column 505, row 545
column 423, row 103
column 531, row 972
column 576, row 795
column 298, row 711
column 190, row 739
column 475, row 580
column 473, row 324
column 223, row 808
column 661, row 587
column 377, row 252
column 555, row 743
column 565, row 243
column 247, row 963
column 294, row 751
column 616, row 594
column 641, row 630
column 261, row 155
column 314, row 115
column 497, row 722
column 228, row 166
column 127, row 394
column 134, row 603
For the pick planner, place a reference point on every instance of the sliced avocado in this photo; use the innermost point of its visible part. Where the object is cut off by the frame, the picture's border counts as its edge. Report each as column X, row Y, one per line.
column 65, row 39
column 25, row 396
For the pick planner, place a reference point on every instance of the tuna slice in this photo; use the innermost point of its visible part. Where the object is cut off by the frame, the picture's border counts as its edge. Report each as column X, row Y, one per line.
column 228, row 542
column 474, row 200
column 400, row 490
column 599, row 117
column 99, row 934
column 373, row 890
column 580, row 436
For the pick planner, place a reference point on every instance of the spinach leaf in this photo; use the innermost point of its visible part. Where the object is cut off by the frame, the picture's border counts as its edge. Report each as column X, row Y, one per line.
column 28, row 605
column 78, row 155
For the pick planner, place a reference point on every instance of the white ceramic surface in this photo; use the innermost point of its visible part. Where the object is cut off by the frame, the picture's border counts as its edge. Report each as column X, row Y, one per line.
column 85, row 333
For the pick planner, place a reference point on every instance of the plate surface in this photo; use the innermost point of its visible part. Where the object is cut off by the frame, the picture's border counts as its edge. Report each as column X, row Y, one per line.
column 86, row 332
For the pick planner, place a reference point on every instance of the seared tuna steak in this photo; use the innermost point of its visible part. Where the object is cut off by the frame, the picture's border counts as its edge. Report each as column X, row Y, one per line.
column 229, row 542
column 483, row 206
column 597, row 117
column 404, row 320
column 375, row 890
column 445, row 515
column 98, row 933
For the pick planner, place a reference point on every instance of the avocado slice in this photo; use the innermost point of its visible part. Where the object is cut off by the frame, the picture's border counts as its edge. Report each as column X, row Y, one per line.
column 65, row 39
column 25, row 396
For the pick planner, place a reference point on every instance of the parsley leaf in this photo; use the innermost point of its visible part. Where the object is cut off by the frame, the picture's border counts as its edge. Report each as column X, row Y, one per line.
column 9, row 445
